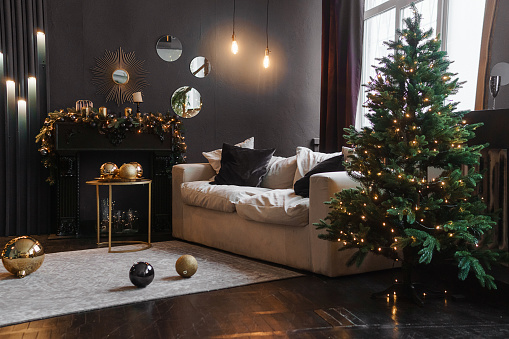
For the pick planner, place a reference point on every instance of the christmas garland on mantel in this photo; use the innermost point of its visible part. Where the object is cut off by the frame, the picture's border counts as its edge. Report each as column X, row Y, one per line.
column 114, row 128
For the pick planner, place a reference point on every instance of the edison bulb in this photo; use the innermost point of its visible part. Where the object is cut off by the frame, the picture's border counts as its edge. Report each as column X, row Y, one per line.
column 266, row 61
column 235, row 46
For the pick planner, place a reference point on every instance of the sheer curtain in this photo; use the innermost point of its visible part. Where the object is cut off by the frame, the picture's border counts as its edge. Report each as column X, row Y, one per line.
column 342, row 25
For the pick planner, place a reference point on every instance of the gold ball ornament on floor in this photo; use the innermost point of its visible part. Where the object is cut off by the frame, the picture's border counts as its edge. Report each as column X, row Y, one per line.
column 186, row 266
column 108, row 170
column 22, row 256
column 139, row 169
column 128, row 171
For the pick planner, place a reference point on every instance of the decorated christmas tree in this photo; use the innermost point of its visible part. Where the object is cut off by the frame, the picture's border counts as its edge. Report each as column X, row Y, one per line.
column 399, row 209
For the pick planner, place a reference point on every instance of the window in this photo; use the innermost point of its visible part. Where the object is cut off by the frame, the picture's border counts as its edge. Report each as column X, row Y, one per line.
column 459, row 23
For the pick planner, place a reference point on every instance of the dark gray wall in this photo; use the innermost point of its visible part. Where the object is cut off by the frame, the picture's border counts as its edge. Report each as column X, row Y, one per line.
column 279, row 106
column 500, row 53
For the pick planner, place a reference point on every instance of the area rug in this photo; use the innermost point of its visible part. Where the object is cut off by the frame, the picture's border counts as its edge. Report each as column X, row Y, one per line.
column 76, row 281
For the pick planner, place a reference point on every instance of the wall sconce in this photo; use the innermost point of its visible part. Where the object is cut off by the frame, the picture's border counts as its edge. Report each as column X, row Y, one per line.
column 266, row 61
column 235, row 46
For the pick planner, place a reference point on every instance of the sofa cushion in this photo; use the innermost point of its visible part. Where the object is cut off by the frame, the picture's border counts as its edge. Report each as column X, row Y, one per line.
column 216, row 197
column 279, row 206
column 280, row 172
column 333, row 164
column 243, row 166
column 214, row 157
column 307, row 159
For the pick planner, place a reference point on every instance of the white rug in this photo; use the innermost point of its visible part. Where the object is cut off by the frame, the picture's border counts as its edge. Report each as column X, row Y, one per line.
column 70, row 282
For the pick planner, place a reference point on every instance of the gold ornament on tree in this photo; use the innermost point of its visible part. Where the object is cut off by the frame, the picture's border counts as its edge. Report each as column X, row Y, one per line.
column 22, row 256
column 186, row 266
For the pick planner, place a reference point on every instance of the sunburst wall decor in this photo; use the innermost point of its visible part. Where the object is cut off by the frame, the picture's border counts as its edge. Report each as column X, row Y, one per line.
column 118, row 75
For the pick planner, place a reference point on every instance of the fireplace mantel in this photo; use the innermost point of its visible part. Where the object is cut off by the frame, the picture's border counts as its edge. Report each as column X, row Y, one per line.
column 71, row 140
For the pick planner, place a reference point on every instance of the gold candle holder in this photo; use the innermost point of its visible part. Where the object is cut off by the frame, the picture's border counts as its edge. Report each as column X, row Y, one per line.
column 103, row 111
column 128, row 111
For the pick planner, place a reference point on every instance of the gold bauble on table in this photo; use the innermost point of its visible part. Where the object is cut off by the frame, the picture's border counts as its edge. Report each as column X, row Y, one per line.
column 22, row 256
column 186, row 266
column 109, row 170
column 128, row 171
column 139, row 169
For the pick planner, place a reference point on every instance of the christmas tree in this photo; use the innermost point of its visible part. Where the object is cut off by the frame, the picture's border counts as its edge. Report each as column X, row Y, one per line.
column 398, row 208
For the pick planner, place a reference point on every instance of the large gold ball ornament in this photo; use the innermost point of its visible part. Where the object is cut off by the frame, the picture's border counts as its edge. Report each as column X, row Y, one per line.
column 139, row 169
column 186, row 266
column 22, row 256
column 128, row 171
column 108, row 170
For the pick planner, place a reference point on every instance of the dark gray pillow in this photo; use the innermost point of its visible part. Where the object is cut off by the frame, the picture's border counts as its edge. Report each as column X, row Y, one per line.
column 333, row 164
column 243, row 166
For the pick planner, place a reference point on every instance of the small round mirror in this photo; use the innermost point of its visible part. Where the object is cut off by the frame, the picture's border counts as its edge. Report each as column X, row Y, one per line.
column 502, row 69
column 200, row 67
column 169, row 48
column 186, row 102
column 120, row 76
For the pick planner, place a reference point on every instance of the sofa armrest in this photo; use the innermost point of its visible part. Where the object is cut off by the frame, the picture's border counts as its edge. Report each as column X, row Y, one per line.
column 322, row 187
column 184, row 173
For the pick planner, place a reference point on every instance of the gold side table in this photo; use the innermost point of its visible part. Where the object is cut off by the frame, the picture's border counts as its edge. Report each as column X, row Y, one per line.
column 110, row 184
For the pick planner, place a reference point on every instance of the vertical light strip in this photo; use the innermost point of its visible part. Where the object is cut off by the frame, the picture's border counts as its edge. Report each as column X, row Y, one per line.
column 41, row 48
column 22, row 117
column 32, row 97
column 10, row 87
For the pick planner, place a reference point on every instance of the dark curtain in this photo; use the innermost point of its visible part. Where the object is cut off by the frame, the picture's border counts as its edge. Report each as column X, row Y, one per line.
column 342, row 30
column 23, row 193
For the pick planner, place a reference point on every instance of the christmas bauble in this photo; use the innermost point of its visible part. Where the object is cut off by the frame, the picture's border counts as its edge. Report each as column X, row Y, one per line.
column 22, row 256
column 128, row 171
column 141, row 274
column 186, row 266
column 108, row 170
column 139, row 169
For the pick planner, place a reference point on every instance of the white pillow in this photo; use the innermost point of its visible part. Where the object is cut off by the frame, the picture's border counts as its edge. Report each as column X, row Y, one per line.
column 280, row 172
column 214, row 157
column 348, row 152
column 307, row 159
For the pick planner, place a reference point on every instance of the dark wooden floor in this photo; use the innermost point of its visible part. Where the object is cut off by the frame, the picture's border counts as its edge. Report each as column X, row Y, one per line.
column 306, row 307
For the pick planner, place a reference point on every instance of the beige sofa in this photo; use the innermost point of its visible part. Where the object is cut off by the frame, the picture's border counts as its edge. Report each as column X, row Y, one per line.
column 294, row 246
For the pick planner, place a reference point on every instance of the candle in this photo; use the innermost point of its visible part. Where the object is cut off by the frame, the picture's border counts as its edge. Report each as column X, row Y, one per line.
column 128, row 111
column 87, row 111
column 137, row 97
column 103, row 111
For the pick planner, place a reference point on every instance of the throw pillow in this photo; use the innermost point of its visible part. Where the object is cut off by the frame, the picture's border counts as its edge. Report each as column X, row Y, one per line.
column 243, row 166
column 307, row 159
column 214, row 157
column 334, row 164
column 280, row 173
column 348, row 153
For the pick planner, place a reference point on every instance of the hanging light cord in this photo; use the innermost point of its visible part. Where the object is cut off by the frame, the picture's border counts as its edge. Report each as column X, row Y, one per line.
column 233, row 17
column 267, row 27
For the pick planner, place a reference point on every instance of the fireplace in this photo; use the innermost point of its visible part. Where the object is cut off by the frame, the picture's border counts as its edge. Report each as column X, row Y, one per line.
column 81, row 151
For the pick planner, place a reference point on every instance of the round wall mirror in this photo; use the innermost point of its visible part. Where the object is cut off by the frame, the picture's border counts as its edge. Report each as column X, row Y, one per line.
column 502, row 69
column 200, row 67
column 120, row 76
column 169, row 48
column 186, row 102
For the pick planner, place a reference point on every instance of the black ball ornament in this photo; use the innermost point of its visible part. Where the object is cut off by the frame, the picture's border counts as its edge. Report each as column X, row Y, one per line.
column 141, row 274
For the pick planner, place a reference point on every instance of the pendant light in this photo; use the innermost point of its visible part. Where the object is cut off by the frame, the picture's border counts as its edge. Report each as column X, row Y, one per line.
column 266, row 61
column 235, row 47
